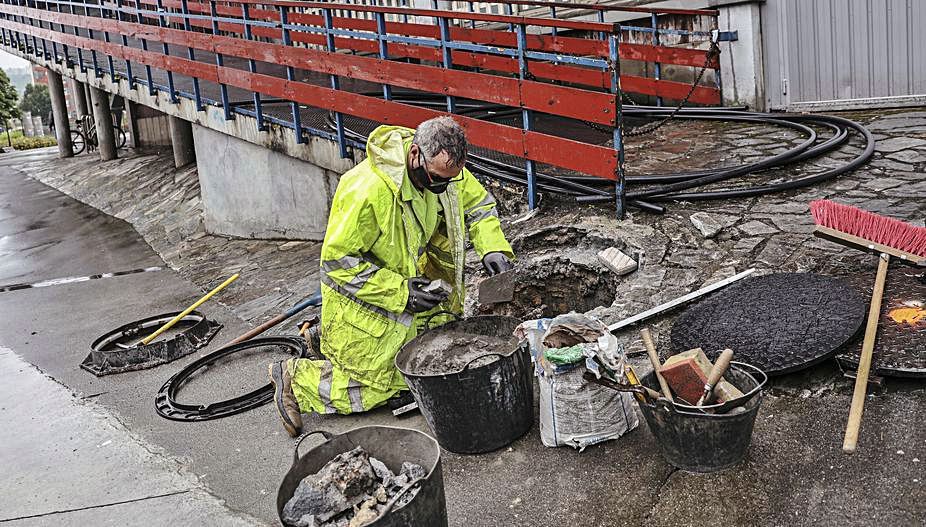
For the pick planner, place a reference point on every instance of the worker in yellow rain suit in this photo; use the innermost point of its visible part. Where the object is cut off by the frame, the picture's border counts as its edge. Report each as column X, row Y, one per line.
column 399, row 220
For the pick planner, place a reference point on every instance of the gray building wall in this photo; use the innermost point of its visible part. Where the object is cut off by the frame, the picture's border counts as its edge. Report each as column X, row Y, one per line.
column 255, row 192
column 832, row 54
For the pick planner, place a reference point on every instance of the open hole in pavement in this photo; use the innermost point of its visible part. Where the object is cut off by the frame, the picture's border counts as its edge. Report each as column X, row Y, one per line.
column 552, row 286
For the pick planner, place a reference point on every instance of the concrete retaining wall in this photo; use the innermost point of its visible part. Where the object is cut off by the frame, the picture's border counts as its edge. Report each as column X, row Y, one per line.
column 255, row 192
column 153, row 127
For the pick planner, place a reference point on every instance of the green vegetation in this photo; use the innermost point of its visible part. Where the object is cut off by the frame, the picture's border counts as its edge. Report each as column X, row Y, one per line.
column 8, row 101
column 36, row 101
column 28, row 143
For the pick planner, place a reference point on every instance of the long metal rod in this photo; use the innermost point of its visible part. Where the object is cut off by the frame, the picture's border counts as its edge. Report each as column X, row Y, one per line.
column 446, row 59
column 125, row 42
column 144, row 46
column 679, row 301
column 526, row 117
column 383, row 50
column 657, row 67
column 220, row 61
column 80, row 55
column 335, row 84
column 109, row 59
column 197, row 95
column 162, row 21
column 618, row 138
column 96, row 65
column 291, row 76
column 252, row 67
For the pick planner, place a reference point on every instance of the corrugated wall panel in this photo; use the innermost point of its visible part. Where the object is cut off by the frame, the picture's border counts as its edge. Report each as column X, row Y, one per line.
column 831, row 50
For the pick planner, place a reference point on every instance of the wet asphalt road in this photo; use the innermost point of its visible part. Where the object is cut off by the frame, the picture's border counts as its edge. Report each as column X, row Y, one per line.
column 795, row 473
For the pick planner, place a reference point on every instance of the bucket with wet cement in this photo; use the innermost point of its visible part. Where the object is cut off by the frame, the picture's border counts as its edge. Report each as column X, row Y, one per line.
column 393, row 446
column 472, row 381
column 696, row 441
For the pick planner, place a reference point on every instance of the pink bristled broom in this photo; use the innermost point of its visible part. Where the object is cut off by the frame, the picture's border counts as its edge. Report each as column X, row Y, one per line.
column 885, row 237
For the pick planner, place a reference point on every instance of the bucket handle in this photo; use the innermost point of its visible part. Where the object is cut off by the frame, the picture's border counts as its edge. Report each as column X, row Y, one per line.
column 413, row 485
column 427, row 321
column 327, row 435
column 474, row 359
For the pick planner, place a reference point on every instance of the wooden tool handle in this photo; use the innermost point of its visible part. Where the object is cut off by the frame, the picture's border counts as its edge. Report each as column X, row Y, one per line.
column 720, row 367
column 654, row 360
column 864, row 364
column 189, row 310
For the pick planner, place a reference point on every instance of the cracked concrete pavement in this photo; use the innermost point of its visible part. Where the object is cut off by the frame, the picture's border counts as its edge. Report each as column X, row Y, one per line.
column 794, row 474
column 67, row 461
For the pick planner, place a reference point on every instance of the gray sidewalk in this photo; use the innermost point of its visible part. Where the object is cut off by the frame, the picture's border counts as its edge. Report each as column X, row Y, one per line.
column 67, row 461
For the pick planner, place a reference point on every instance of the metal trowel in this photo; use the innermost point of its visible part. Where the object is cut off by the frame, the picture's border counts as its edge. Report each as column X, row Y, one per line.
column 497, row 289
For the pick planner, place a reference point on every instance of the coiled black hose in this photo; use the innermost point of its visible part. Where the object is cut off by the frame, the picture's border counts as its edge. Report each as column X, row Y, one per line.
column 642, row 191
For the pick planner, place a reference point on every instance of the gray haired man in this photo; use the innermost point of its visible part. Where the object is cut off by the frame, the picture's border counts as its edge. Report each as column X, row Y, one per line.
column 399, row 221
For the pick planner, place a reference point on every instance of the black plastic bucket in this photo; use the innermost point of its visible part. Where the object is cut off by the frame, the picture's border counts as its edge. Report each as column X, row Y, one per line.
column 392, row 446
column 702, row 442
column 479, row 408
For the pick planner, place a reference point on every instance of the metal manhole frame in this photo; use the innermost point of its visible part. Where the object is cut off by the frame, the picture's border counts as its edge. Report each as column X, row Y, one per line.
column 101, row 362
column 165, row 402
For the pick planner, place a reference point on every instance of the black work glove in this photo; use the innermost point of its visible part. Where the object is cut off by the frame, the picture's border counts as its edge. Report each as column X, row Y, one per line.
column 420, row 301
column 496, row 263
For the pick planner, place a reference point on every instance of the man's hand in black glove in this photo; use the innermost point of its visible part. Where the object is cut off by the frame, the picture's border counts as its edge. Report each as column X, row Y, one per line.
column 420, row 301
column 496, row 263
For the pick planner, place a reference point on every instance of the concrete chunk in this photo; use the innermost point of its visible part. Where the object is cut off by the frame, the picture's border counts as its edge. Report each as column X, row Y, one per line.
column 344, row 482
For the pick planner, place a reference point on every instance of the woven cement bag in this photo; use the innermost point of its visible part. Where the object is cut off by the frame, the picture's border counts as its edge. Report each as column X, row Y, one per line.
column 573, row 411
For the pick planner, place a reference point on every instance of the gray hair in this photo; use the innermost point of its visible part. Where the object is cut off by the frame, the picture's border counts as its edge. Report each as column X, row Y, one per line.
column 442, row 134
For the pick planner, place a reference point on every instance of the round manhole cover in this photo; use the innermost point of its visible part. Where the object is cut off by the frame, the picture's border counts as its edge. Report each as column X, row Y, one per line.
column 780, row 322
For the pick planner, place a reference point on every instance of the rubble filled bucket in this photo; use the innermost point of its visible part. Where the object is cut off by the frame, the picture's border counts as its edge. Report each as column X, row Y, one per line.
column 475, row 399
column 693, row 440
column 393, row 446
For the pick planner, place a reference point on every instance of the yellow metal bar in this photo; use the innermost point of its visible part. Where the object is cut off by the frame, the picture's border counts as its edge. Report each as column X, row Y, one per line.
column 190, row 309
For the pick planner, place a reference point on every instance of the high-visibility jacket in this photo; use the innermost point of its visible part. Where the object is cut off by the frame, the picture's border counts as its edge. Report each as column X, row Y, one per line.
column 375, row 243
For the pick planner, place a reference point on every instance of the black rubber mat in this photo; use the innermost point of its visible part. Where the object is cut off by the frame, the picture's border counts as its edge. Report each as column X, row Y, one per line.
column 900, row 349
column 780, row 322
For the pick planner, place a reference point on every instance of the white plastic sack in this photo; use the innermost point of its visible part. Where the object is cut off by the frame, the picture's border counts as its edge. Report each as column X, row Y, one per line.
column 573, row 411
column 578, row 413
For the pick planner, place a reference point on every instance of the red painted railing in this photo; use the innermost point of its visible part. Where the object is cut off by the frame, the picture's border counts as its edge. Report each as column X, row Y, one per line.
column 512, row 68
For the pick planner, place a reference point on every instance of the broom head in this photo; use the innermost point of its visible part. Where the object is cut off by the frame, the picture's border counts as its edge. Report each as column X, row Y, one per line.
column 869, row 231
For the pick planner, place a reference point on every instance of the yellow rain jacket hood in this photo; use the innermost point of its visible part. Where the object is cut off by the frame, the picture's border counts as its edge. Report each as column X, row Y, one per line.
column 375, row 243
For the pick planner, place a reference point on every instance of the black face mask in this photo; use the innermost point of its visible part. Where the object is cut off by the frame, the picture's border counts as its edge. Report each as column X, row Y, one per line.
column 424, row 180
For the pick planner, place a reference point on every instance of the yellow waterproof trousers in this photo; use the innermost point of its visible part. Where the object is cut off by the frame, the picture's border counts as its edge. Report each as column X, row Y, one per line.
column 322, row 387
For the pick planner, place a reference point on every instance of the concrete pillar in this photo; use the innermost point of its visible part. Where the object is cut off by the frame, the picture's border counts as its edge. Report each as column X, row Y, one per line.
column 37, row 125
column 59, row 111
column 131, row 118
column 87, row 98
column 102, row 116
column 741, row 62
column 181, row 140
column 28, row 131
column 79, row 96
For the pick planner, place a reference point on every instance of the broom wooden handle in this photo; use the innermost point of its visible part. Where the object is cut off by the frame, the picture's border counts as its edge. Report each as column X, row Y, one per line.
column 864, row 364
